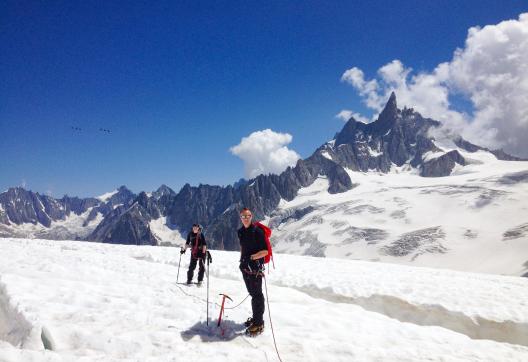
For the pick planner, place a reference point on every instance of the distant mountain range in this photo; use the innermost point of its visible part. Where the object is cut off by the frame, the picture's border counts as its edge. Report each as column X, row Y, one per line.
column 398, row 139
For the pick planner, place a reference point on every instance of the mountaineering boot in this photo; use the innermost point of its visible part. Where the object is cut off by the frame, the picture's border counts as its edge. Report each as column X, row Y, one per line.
column 189, row 282
column 248, row 322
column 255, row 329
column 199, row 283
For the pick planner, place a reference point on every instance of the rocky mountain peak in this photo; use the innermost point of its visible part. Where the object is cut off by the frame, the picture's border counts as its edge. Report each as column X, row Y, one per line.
column 15, row 191
column 123, row 189
column 392, row 104
column 348, row 133
column 386, row 121
column 388, row 116
column 122, row 196
column 163, row 190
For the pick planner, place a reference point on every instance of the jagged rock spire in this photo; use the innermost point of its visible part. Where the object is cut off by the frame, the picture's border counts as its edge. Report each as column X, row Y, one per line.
column 385, row 121
column 388, row 116
column 392, row 102
column 347, row 134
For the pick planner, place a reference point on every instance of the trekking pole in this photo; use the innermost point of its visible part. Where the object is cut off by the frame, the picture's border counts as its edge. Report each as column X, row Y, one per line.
column 178, row 275
column 209, row 261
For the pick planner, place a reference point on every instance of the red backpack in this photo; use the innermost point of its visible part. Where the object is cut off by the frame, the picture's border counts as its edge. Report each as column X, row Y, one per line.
column 267, row 235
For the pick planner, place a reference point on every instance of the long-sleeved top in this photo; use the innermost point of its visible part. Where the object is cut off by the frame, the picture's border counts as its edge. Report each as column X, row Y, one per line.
column 196, row 241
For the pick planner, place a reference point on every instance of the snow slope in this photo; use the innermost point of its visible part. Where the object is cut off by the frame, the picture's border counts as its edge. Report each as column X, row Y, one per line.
column 73, row 226
column 105, row 197
column 78, row 301
column 165, row 233
column 474, row 220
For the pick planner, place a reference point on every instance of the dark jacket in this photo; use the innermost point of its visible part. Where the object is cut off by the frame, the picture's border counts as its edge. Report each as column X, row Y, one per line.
column 251, row 241
column 196, row 242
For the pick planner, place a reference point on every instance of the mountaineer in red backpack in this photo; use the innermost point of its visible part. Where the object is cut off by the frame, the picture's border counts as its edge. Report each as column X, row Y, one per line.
column 255, row 251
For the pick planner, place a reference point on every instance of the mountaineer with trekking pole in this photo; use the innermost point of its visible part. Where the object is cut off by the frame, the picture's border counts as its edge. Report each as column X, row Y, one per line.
column 196, row 241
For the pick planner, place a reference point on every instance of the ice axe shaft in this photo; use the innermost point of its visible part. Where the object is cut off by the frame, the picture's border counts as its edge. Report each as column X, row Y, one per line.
column 208, row 261
column 222, row 307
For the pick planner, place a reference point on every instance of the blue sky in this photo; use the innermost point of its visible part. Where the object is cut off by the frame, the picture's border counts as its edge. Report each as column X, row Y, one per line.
column 179, row 83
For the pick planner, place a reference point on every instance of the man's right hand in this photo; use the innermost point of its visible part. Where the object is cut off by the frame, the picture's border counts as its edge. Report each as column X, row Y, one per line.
column 182, row 251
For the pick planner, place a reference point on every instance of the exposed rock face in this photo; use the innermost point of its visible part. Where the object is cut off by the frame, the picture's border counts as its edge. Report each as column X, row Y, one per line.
column 398, row 137
column 417, row 242
column 19, row 206
column 518, row 232
column 500, row 154
column 130, row 226
column 443, row 165
column 513, row 178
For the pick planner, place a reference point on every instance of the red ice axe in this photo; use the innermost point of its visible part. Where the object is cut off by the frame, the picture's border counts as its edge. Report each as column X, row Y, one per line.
column 222, row 307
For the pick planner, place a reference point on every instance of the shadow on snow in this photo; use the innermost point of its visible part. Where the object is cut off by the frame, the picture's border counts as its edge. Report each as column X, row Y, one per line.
column 227, row 331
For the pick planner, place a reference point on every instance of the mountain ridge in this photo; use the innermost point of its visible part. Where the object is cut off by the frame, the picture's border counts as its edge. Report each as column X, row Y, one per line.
column 396, row 138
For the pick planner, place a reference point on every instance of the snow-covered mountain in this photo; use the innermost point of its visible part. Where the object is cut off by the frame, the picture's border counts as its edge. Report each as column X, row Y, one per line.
column 400, row 189
column 476, row 219
column 30, row 215
column 399, row 139
column 76, row 301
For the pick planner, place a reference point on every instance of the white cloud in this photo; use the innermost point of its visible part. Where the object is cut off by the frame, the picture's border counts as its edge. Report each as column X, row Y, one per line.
column 491, row 71
column 394, row 73
column 265, row 152
column 346, row 114
column 369, row 89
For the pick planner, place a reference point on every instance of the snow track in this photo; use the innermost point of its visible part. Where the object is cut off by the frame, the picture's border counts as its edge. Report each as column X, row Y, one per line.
column 431, row 315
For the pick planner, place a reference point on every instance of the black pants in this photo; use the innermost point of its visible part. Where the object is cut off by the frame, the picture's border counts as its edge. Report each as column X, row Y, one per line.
column 254, row 288
column 192, row 266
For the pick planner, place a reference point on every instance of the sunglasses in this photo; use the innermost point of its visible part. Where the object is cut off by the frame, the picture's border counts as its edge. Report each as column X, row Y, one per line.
column 246, row 216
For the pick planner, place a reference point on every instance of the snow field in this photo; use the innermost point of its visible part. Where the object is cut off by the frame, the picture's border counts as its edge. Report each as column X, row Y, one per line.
column 98, row 302
column 458, row 222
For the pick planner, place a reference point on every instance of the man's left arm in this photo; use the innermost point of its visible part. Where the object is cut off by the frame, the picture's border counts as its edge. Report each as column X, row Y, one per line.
column 259, row 254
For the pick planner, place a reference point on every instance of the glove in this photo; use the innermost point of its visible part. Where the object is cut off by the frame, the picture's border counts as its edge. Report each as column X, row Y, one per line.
column 209, row 258
column 182, row 251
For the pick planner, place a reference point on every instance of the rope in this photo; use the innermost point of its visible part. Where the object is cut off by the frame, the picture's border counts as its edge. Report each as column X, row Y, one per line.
column 189, row 295
column 271, row 323
column 214, row 303
column 238, row 305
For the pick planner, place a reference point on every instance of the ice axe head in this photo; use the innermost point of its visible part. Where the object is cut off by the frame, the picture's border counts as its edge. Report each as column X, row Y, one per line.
column 226, row 296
